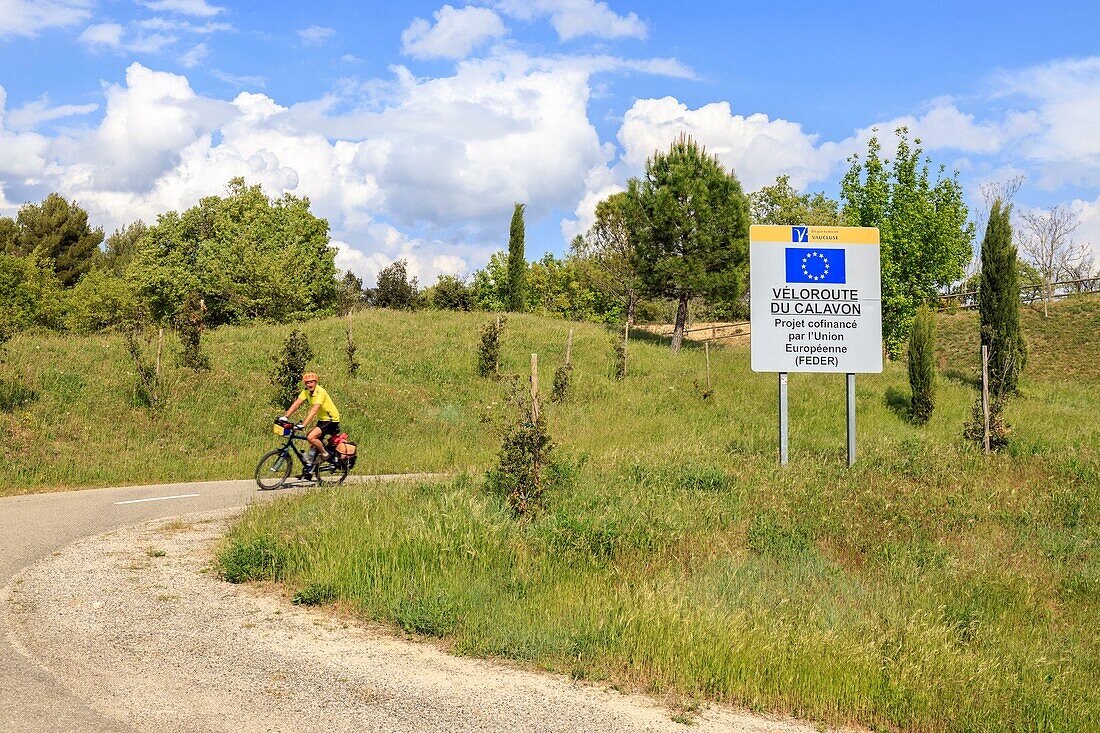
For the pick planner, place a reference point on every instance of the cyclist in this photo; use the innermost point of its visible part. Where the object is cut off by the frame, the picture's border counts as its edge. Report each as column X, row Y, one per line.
column 328, row 418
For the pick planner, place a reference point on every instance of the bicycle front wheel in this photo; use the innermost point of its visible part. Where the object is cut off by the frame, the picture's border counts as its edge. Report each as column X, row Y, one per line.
column 331, row 474
column 273, row 469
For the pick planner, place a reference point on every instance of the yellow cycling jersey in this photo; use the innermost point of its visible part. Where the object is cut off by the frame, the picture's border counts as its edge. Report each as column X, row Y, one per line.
column 328, row 411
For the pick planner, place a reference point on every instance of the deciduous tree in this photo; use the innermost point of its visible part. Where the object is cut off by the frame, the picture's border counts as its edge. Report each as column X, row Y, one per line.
column 608, row 245
column 926, row 238
column 1046, row 237
column 395, row 289
column 781, row 204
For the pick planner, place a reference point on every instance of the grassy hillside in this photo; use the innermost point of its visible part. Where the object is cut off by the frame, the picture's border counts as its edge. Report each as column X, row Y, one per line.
column 928, row 588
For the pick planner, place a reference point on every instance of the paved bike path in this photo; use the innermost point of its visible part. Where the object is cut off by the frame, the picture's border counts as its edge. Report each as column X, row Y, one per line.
column 36, row 525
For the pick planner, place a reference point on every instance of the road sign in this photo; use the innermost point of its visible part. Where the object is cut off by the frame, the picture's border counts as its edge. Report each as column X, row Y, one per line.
column 816, row 299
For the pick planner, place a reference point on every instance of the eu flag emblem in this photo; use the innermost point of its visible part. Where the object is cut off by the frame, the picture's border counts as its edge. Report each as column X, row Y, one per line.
column 815, row 265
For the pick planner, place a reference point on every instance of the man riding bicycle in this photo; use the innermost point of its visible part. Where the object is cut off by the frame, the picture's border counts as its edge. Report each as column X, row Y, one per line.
column 328, row 419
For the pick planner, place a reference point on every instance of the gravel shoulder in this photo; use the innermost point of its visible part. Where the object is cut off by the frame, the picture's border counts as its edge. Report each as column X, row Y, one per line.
column 136, row 624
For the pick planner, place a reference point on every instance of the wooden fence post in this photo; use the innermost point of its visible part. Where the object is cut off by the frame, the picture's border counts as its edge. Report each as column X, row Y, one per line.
column 706, row 350
column 569, row 349
column 534, row 387
column 985, row 395
column 626, row 342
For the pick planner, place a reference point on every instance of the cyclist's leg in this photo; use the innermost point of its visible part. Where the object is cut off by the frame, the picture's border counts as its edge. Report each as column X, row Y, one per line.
column 315, row 440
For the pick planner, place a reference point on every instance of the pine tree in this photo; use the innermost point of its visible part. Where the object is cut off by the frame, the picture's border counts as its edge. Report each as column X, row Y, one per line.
column 999, row 304
column 689, row 222
column 922, row 365
column 517, row 262
column 57, row 232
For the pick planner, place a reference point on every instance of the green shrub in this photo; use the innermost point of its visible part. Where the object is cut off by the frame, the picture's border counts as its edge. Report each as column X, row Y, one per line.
column 260, row 558
column 561, row 383
column 190, row 323
column 488, row 351
column 518, row 477
column 974, row 429
column 922, row 366
column 618, row 359
column 290, row 364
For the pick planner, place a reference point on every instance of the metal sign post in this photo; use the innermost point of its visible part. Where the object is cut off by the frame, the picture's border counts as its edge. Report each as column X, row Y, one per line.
column 782, row 418
column 816, row 299
column 851, row 419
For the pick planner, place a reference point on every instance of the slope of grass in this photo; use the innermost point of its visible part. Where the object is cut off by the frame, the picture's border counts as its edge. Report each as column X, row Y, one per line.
column 928, row 588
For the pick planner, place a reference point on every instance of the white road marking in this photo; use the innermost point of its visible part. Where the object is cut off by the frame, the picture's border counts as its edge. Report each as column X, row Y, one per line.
column 158, row 498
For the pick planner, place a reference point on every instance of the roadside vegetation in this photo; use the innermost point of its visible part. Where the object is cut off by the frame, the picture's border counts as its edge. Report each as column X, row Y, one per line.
column 929, row 588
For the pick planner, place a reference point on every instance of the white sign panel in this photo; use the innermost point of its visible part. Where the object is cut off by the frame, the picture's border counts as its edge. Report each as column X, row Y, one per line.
column 816, row 299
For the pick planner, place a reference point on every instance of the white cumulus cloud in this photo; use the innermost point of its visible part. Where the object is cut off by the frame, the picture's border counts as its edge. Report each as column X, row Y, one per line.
column 576, row 18
column 454, row 35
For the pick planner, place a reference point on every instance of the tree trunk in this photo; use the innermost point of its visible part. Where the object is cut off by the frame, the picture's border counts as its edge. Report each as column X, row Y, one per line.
column 1046, row 303
column 681, row 321
column 631, row 301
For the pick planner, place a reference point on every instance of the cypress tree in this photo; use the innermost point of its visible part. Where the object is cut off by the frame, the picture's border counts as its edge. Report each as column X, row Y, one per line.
column 922, row 366
column 999, row 304
column 517, row 262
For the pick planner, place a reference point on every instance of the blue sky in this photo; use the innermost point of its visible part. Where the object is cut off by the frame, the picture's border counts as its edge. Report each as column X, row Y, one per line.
column 414, row 127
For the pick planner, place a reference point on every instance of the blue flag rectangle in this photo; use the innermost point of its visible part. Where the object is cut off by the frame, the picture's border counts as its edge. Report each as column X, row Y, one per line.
column 815, row 265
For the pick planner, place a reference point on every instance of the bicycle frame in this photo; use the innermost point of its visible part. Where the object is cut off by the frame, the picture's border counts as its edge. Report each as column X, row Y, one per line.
column 293, row 448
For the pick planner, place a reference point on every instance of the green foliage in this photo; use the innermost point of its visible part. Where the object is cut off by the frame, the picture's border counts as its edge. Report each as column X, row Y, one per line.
column 781, row 204
column 122, row 245
column 395, row 289
column 57, row 233
column 289, row 366
column 314, row 594
column 689, row 222
column 562, row 376
column 450, row 293
column 922, row 365
column 488, row 350
column 517, row 262
column 564, row 288
column 350, row 349
column 146, row 358
column 100, row 301
column 518, row 477
column 9, row 233
column 349, row 293
column 247, row 256
column 974, row 428
column 618, row 356
column 491, row 284
column 922, row 226
column 999, row 304
column 190, row 323
column 32, row 295
column 249, row 559
column 609, row 248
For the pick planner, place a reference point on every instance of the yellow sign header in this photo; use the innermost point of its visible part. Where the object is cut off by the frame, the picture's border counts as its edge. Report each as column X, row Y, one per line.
column 812, row 235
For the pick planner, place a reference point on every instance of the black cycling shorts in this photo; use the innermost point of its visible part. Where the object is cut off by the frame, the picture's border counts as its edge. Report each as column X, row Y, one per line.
column 328, row 428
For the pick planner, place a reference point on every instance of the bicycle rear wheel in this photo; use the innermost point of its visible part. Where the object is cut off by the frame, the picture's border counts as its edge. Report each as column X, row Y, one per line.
column 331, row 474
column 273, row 469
